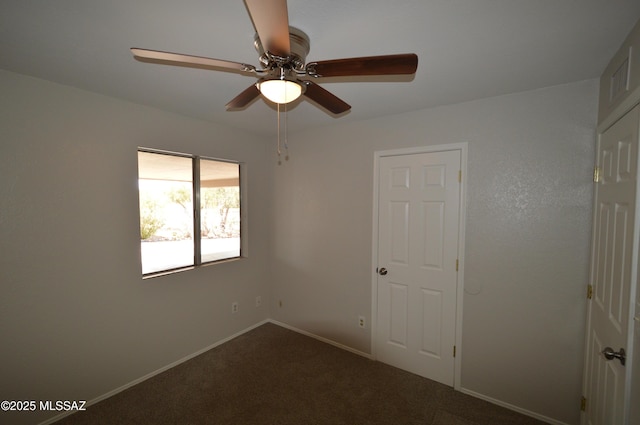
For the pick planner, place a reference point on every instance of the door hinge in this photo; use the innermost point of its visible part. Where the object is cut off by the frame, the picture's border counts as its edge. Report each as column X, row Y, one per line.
column 583, row 404
column 457, row 264
column 589, row 292
column 596, row 174
column 454, row 351
column 459, row 176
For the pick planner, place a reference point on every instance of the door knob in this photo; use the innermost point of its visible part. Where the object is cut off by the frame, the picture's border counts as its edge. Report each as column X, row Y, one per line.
column 382, row 272
column 609, row 354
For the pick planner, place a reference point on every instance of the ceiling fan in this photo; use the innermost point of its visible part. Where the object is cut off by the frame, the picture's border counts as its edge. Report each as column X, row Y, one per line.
column 283, row 50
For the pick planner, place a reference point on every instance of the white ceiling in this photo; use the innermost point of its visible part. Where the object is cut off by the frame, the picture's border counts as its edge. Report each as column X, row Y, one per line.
column 467, row 49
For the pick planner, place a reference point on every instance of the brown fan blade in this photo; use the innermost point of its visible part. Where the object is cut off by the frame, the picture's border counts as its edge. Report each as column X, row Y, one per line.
column 178, row 59
column 325, row 99
column 371, row 65
column 244, row 98
column 271, row 20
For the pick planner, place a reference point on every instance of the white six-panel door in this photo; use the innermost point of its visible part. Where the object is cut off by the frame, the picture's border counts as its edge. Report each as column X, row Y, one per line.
column 418, row 229
column 612, row 272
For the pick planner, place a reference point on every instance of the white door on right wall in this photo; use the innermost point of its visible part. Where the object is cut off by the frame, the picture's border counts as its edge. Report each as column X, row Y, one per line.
column 609, row 319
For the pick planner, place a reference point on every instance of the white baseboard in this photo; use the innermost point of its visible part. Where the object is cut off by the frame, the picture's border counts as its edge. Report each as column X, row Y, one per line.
column 155, row 372
column 320, row 338
column 462, row 390
column 302, row 332
column 512, row 407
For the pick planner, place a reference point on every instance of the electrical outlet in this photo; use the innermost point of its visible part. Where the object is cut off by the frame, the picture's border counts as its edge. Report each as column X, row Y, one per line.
column 258, row 301
column 361, row 322
column 234, row 307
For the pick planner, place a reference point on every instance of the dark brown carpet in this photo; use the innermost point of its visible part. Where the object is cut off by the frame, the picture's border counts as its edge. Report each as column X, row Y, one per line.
column 275, row 376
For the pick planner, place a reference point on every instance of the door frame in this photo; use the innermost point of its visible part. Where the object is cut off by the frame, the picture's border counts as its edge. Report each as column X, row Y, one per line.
column 377, row 155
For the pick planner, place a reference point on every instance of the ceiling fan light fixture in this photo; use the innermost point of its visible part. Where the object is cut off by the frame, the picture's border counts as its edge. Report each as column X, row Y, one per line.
column 280, row 90
column 282, row 51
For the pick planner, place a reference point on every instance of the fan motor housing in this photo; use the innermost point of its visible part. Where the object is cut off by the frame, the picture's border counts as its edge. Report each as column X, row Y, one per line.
column 300, row 47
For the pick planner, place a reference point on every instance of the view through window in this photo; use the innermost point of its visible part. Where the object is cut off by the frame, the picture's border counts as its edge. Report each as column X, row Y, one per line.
column 178, row 229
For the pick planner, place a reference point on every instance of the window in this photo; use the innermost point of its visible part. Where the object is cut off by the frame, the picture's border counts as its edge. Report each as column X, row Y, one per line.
column 177, row 229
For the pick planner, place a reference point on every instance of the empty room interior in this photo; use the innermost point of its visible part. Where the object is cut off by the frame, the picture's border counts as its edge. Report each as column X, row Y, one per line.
column 501, row 100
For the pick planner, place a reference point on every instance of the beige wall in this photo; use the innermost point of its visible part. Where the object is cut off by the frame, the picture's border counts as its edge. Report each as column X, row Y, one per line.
column 527, row 236
column 76, row 319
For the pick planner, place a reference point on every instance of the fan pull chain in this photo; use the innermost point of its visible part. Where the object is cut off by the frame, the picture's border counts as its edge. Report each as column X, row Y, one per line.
column 286, row 132
column 279, row 152
column 286, row 144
